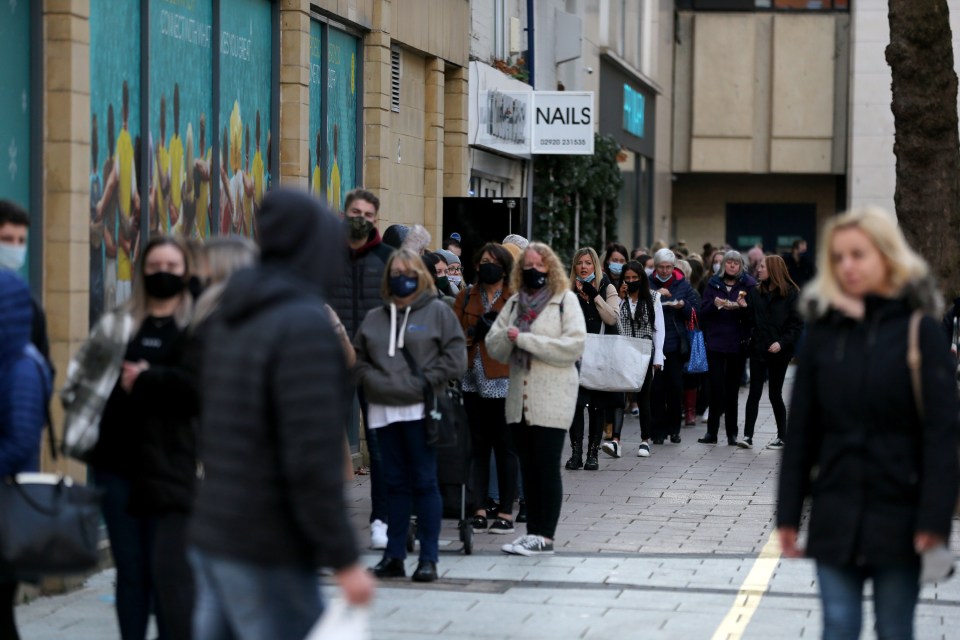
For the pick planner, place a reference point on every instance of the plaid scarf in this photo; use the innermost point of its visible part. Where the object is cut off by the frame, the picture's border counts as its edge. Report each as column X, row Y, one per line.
column 530, row 306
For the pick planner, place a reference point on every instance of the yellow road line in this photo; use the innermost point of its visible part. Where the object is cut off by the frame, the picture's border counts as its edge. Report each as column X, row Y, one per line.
column 751, row 592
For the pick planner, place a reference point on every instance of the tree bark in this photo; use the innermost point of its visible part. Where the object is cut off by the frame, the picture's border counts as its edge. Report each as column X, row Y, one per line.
column 927, row 144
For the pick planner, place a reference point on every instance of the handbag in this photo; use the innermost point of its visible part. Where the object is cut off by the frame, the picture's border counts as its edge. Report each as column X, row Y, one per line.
column 444, row 415
column 614, row 363
column 697, row 362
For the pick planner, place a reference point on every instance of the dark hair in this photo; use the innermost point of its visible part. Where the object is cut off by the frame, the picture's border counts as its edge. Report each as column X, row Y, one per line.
column 12, row 213
column 643, row 258
column 645, row 298
column 362, row 194
column 500, row 254
column 697, row 271
column 796, row 243
column 451, row 241
column 610, row 248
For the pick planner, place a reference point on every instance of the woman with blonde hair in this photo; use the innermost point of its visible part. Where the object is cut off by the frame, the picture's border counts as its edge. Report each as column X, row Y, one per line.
column 881, row 437
column 600, row 305
column 540, row 333
column 413, row 334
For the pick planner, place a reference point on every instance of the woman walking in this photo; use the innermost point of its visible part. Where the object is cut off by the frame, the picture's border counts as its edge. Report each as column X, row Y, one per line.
column 726, row 332
column 414, row 329
column 641, row 316
column 540, row 333
column 485, row 387
column 615, row 257
column 885, row 451
column 776, row 328
column 599, row 304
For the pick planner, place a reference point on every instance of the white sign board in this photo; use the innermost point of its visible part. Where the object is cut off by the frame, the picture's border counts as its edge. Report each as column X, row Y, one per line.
column 499, row 112
column 563, row 122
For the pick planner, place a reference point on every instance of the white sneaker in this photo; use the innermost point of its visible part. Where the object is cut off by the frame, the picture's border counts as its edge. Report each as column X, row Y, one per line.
column 378, row 534
column 511, row 546
column 611, row 448
column 534, row 546
column 644, row 450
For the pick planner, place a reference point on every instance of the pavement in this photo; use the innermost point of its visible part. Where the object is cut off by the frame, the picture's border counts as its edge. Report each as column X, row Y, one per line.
column 674, row 546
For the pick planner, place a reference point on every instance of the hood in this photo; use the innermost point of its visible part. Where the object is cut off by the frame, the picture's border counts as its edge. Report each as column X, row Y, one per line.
column 16, row 316
column 921, row 294
column 373, row 240
column 302, row 250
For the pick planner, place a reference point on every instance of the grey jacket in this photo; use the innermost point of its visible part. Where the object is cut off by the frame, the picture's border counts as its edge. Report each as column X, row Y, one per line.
column 429, row 330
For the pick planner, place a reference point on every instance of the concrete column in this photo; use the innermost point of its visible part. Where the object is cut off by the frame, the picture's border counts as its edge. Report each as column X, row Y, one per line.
column 456, row 172
column 433, row 148
column 376, row 104
column 294, row 92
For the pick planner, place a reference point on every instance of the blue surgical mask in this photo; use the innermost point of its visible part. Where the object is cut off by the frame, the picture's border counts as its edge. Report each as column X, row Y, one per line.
column 589, row 278
column 12, row 256
column 615, row 268
column 403, row 286
column 661, row 278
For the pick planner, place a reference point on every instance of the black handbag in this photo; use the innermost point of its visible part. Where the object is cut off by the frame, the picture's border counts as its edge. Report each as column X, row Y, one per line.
column 444, row 412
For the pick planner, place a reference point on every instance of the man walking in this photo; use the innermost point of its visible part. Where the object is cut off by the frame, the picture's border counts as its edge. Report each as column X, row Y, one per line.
column 271, row 509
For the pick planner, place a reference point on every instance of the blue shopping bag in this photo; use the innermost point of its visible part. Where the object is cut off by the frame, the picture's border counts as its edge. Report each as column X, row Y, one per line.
column 698, row 348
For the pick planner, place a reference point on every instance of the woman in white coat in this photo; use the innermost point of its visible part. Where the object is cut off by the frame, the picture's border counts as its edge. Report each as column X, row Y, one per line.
column 540, row 334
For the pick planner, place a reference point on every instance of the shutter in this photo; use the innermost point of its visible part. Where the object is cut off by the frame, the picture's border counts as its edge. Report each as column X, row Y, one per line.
column 395, row 80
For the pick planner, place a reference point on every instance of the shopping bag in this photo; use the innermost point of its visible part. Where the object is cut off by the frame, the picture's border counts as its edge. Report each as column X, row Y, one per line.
column 697, row 363
column 342, row 621
column 614, row 363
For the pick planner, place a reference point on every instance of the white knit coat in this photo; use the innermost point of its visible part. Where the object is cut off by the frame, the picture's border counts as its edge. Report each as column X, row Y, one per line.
column 546, row 395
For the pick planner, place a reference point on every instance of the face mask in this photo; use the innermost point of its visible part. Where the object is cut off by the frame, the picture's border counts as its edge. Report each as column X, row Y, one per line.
column 403, row 286
column 716, row 269
column 443, row 283
column 648, row 271
column 490, row 273
column 12, row 256
column 589, row 278
column 163, row 285
column 533, row 279
column 633, row 287
column 196, row 287
column 360, row 227
column 455, row 280
column 661, row 278
column 615, row 268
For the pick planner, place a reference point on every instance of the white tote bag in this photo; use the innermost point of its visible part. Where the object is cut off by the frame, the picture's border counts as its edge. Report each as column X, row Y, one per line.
column 614, row 363
column 342, row 621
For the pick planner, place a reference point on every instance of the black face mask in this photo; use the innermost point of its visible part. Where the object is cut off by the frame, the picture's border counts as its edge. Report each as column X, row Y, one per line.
column 633, row 287
column 196, row 287
column 533, row 279
column 163, row 285
column 490, row 273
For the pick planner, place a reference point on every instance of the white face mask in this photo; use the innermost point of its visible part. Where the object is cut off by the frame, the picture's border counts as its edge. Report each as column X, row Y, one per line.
column 455, row 280
column 716, row 268
column 648, row 271
column 12, row 256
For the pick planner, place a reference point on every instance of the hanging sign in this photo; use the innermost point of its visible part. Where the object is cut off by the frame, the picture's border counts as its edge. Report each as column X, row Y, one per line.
column 563, row 122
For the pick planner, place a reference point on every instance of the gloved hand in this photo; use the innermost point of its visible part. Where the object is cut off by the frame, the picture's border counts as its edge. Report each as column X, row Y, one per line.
column 589, row 290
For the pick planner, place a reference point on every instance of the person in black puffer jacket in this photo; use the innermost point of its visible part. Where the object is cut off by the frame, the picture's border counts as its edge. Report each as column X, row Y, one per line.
column 776, row 329
column 877, row 458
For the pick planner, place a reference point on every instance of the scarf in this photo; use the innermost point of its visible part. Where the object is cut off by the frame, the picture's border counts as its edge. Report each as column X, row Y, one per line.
column 529, row 308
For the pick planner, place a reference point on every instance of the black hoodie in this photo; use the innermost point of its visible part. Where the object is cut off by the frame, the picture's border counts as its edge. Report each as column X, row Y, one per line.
column 275, row 389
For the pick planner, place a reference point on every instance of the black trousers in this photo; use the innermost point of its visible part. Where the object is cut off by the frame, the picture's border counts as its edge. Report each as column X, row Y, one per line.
column 595, row 414
column 539, row 449
column 726, row 370
column 776, row 366
column 173, row 575
column 8, row 623
column 667, row 397
column 489, row 432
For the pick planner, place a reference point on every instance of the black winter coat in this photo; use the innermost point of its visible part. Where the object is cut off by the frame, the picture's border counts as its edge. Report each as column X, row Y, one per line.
column 774, row 319
column 358, row 289
column 876, row 472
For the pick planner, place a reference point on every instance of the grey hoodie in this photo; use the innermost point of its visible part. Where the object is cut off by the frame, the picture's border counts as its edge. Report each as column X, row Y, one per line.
column 429, row 330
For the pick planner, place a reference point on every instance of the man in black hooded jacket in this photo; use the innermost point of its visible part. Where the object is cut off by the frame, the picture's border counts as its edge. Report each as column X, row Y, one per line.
column 270, row 509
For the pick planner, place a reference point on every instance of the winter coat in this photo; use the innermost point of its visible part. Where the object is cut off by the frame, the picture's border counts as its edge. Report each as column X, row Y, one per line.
column 774, row 318
column 726, row 330
column 546, row 394
column 428, row 330
column 275, row 401
column 24, row 381
column 877, row 472
column 674, row 319
column 358, row 289
column 469, row 310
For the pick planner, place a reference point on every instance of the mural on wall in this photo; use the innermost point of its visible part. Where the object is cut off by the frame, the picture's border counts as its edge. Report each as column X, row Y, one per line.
column 114, row 162
column 245, row 83
column 316, row 96
column 342, row 52
column 15, row 106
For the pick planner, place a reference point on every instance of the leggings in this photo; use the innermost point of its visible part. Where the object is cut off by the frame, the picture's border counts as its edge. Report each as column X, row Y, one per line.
column 776, row 367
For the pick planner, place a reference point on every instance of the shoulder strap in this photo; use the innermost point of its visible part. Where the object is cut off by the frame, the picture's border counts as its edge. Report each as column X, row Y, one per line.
column 466, row 298
column 915, row 360
column 39, row 362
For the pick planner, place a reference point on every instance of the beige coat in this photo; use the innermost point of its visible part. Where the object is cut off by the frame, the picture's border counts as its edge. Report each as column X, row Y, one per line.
column 546, row 395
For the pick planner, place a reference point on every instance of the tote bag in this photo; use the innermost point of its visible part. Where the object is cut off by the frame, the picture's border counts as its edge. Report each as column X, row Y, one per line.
column 697, row 363
column 614, row 363
column 340, row 621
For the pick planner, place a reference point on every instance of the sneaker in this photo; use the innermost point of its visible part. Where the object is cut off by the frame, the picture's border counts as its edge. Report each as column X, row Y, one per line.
column 611, row 448
column 707, row 439
column 501, row 526
column 533, row 546
column 745, row 443
column 635, row 411
column 675, row 438
column 644, row 450
column 776, row 444
column 731, row 441
column 378, row 534
column 658, row 441
column 479, row 524
column 510, row 547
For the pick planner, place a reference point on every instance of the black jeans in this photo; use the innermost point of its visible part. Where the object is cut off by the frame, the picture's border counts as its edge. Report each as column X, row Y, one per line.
column 726, row 369
column 173, row 575
column 8, row 623
column 489, row 431
column 595, row 415
column 667, row 396
column 776, row 366
column 539, row 449
column 378, row 488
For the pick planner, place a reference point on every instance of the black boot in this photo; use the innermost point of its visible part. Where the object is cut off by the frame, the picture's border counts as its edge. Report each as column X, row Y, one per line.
column 576, row 445
column 593, row 444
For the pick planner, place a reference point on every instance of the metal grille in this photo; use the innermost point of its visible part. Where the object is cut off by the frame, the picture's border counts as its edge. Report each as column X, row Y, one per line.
column 395, row 80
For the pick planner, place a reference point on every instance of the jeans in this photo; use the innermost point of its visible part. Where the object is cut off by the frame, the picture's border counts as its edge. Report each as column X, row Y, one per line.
column 667, row 397
column 241, row 601
column 175, row 591
column 489, row 432
column 378, row 488
column 131, row 543
column 410, row 472
column 895, row 592
column 776, row 367
column 726, row 369
column 539, row 449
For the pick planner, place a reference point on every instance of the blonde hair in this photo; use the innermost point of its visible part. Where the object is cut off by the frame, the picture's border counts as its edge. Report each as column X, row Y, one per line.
column 904, row 264
column 414, row 262
column 136, row 306
column 556, row 273
column 585, row 251
column 685, row 268
column 417, row 240
column 223, row 255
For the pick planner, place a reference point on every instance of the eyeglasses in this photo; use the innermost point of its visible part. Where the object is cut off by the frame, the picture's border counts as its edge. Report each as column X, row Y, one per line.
column 454, row 269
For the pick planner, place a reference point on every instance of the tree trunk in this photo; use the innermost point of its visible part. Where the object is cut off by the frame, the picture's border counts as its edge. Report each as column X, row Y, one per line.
column 927, row 145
